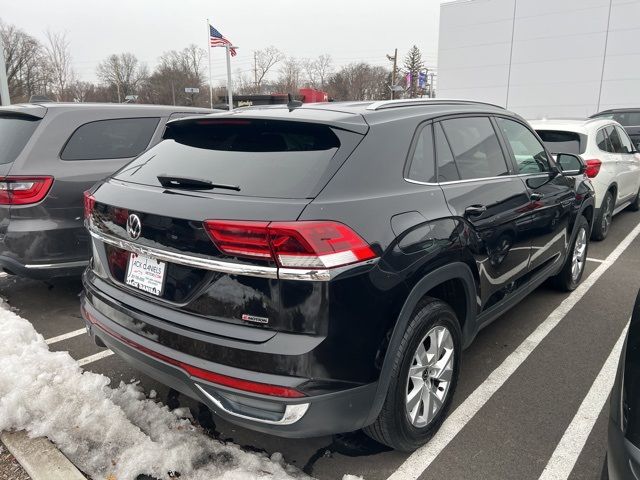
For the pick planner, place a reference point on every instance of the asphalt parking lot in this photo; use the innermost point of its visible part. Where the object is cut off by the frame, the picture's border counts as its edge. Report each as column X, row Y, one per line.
column 544, row 354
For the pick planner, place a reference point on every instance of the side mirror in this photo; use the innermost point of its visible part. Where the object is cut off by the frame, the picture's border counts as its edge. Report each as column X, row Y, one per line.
column 570, row 164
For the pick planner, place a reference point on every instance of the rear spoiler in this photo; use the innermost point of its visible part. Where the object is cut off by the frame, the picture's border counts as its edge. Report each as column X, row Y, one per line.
column 344, row 121
column 26, row 110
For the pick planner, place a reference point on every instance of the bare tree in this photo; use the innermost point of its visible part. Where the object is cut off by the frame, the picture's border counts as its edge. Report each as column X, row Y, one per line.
column 265, row 60
column 81, row 91
column 124, row 73
column 318, row 70
column 359, row 81
column 59, row 63
column 26, row 63
column 290, row 78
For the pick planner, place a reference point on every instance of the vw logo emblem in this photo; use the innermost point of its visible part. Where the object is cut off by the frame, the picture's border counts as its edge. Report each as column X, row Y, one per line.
column 134, row 226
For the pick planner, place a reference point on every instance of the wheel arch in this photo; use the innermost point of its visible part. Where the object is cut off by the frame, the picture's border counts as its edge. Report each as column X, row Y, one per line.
column 458, row 272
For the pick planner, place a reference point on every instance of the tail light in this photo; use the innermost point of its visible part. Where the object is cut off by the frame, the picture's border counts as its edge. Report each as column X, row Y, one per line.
column 306, row 244
column 89, row 204
column 16, row 190
column 593, row 167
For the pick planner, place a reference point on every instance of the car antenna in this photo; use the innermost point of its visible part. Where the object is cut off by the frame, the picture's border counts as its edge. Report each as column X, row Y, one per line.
column 292, row 104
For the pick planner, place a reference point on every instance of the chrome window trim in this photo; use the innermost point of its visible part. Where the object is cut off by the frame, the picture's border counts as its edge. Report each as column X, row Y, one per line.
column 292, row 413
column 451, row 182
column 315, row 275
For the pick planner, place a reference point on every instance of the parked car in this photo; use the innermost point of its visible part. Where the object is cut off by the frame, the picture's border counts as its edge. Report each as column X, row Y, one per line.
column 623, row 451
column 629, row 118
column 314, row 270
column 613, row 163
column 50, row 154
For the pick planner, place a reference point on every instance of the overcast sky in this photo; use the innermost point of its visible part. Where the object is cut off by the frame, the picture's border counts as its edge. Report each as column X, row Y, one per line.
column 348, row 30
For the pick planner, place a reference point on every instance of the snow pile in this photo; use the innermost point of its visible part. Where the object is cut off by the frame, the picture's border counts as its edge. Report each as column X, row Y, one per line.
column 109, row 433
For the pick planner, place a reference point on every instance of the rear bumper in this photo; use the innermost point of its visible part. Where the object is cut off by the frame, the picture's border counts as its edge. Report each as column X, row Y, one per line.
column 309, row 416
column 43, row 248
column 42, row 271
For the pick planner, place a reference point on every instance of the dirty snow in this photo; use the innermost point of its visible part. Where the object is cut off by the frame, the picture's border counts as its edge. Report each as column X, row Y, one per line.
column 114, row 433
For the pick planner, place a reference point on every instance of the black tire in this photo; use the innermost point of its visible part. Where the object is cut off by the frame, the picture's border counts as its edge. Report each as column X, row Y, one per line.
column 566, row 280
column 602, row 222
column 635, row 205
column 393, row 426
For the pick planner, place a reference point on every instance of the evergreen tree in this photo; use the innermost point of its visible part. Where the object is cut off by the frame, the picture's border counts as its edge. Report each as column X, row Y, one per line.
column 413, row 65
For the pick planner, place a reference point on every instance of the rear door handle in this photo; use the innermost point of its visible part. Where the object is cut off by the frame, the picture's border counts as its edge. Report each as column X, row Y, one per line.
column 475, row 210
column 535, row 196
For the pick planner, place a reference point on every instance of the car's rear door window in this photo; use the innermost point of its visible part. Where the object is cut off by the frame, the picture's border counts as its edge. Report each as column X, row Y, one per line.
column 602, row 140
column 15, row 132
column 529, row 154
column 110, row 139
column 614, row 140
column 562, row 141
column 422, row 167
column 263, row 158
column 475, row 147
column 447, row 170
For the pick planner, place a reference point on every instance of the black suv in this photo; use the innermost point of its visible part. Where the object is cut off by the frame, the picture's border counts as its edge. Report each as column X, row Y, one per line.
column 315, row 270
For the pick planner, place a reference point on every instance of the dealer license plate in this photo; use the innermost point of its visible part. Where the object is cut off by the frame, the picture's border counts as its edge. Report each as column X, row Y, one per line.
column 146, row 274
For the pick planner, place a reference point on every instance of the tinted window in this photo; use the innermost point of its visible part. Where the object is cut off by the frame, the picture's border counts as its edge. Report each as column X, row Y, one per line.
column 529, row 153
column 15, row 132
column 602, row 140
column 447, row 170
column 422, row 165
column 627, row 147
column 628, row 119
column 614, row 140
column 105, row 139
column 263, row 158
column 560, row 141
column 475, row 147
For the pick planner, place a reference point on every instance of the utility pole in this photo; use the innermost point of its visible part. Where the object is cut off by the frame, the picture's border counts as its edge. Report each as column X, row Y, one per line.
column 393, row 72
column 4, row 83
column 255, row 70
column 229, row 84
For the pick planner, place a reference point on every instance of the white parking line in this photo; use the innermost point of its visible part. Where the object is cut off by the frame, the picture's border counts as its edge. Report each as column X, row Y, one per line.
column 597, row 260
column 420, row 460
column 65, row 336
column 94, row 358
column 572, row 442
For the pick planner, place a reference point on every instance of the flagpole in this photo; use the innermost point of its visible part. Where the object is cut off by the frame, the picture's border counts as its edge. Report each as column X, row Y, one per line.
column 229, row 86
column 209, row 50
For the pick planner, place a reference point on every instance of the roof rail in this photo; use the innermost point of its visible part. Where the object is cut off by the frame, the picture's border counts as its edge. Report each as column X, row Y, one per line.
column 412, row 102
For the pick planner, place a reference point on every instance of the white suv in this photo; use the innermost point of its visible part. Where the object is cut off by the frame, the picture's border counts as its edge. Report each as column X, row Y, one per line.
column 613, row 164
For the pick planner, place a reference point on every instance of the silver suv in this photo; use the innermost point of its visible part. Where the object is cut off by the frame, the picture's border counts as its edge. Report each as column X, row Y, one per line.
column 49, row 155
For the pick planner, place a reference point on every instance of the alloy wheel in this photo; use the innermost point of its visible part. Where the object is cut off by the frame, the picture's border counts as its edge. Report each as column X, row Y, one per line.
column 607, row 215
column 579, row 254
column 429, row 376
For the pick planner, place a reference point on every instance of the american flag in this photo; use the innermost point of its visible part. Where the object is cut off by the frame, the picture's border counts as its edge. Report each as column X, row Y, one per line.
column 218, row 40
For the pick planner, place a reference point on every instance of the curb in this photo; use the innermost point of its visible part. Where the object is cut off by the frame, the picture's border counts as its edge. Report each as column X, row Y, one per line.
column 39, row 457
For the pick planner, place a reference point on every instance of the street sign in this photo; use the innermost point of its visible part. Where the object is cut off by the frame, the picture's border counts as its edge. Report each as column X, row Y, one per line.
column 191, row 90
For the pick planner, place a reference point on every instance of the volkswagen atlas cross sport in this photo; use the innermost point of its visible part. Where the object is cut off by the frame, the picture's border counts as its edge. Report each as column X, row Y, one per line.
column 49, row 154
column 314, row 270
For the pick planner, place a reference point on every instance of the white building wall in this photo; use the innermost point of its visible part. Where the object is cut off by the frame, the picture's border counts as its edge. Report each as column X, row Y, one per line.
column 541, row 57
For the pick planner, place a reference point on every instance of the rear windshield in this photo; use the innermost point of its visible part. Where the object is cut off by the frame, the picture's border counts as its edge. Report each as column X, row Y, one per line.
column 558, row 141
column 261, row 158
column 15, row 132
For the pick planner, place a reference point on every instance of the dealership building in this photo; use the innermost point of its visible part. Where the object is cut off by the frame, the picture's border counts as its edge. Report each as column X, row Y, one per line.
column 541, row 58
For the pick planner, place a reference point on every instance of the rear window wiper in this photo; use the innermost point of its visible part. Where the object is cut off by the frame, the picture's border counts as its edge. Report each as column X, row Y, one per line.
column 186, row 183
